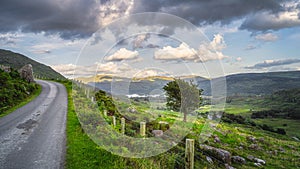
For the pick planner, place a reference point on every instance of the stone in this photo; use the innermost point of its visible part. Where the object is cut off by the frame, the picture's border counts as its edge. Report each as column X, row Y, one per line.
column 216, row 139
column 238, row 160
column 250, row 157
column 281, row 149
column 227, row 166
column 26, row 73
column 209, row 160
column 251, row 139
column 217, row 153
column 254, row 147
column 258, row 164
column 260, row 161
column 296, row 138
column 157, row 133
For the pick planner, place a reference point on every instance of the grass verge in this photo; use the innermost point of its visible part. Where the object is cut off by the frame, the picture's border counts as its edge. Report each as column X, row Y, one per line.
column 24, row 102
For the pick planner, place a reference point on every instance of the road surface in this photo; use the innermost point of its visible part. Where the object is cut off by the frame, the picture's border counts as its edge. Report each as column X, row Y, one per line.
column 33, row 137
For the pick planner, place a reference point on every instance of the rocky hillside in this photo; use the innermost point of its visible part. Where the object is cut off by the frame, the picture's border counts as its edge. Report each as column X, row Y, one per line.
column 17, row 61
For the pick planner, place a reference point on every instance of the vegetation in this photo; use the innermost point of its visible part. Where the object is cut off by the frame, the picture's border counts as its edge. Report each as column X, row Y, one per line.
column 16, row 61
column 183, row 96
column 14, row 90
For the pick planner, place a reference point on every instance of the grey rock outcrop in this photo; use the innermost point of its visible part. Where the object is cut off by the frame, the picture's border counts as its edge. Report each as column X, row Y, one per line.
column 217, row 153
column 26, row 73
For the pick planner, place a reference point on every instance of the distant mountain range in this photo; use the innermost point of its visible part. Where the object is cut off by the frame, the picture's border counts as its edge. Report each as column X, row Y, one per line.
column 238, row 84
column 16, row 61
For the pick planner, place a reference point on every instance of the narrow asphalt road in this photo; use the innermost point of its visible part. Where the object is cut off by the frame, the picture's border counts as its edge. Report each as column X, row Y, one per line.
column 33, row 137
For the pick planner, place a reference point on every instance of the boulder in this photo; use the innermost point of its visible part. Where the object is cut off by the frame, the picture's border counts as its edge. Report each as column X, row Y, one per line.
column 217, row 153
column 157, row 133
column 216, row 139
column 26, row 73
column 238, row 160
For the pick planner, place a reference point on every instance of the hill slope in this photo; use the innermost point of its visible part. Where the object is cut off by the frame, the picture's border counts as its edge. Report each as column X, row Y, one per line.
column 238, row 84
column 17, row 61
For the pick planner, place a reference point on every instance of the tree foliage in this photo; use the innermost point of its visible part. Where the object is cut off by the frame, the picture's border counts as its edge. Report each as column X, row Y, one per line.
column 183, row 96
column 13, row 89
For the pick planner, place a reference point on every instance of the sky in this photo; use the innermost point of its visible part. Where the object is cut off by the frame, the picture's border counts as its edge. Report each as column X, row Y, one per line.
column 149, row 38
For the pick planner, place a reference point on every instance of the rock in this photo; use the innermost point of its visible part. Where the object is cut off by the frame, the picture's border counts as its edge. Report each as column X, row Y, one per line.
column 274, row 152
column 258, row 164
column 296, row 138
column 257, row 160
column 238, row 160
column 217, row 153
column 216, row 139
column 157, row 133
column 250, row 157
column 281, row 149
column 254, row 147
column 5, row 68
column 227, row 166
column 262, row 140
column 251, row 139
column 27, row 73
column 209, row 160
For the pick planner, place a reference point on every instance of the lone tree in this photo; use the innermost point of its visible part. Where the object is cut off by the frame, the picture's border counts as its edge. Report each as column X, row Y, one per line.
column 183, row 96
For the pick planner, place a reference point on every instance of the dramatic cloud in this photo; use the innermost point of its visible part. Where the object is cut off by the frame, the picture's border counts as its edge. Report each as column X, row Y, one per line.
column 123, row 54
column 206, row 52
column 267, row 20
column 70, row 18
column 207, row 11
column 268, row 37
column 272, row 63
column 80, row 18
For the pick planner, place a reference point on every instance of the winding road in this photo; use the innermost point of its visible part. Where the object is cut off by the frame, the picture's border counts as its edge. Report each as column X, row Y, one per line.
column 33, row 136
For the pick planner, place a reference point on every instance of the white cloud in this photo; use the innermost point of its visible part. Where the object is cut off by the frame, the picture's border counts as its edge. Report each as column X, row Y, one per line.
column 218, row 42
column 268, row 37
column 122, row 54
column 239, row 59
column 183, row 51
column 206, row 52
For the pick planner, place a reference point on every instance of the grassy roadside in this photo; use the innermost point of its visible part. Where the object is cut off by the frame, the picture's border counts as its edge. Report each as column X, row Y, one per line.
column 24, row 102
column 83, row 153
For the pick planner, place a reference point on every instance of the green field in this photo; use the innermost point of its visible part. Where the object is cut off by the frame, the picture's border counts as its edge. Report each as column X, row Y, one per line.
column 82, row 152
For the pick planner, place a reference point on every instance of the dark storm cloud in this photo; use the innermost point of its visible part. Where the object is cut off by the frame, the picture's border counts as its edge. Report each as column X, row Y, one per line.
column 208, row 11
column 267, row 64
column 80, row 18
column 71, row 19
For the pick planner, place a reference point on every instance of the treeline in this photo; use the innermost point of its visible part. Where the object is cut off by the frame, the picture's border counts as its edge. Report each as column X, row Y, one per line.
column 13, row 89
column 284, row 104
column 231, row 118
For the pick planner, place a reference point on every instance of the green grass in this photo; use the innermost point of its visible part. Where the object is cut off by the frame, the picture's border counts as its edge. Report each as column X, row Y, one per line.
column 291, row 126
column 24, row 102
column 83, row 153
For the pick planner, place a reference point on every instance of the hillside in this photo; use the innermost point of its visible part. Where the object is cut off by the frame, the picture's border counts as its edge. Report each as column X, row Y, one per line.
column 14, row 89
column 238, row 84
column 17, row 61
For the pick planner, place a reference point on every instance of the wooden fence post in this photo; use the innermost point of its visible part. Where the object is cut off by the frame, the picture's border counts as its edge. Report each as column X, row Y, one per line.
column 105, row 113
column 143, row 128
column 114, row 121
column 123, row 125
column 189, row 154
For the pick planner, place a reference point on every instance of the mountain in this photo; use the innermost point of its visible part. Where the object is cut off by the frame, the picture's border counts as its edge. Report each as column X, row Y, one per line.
column 262, row 83
column 237, row 84
column 16, row 61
